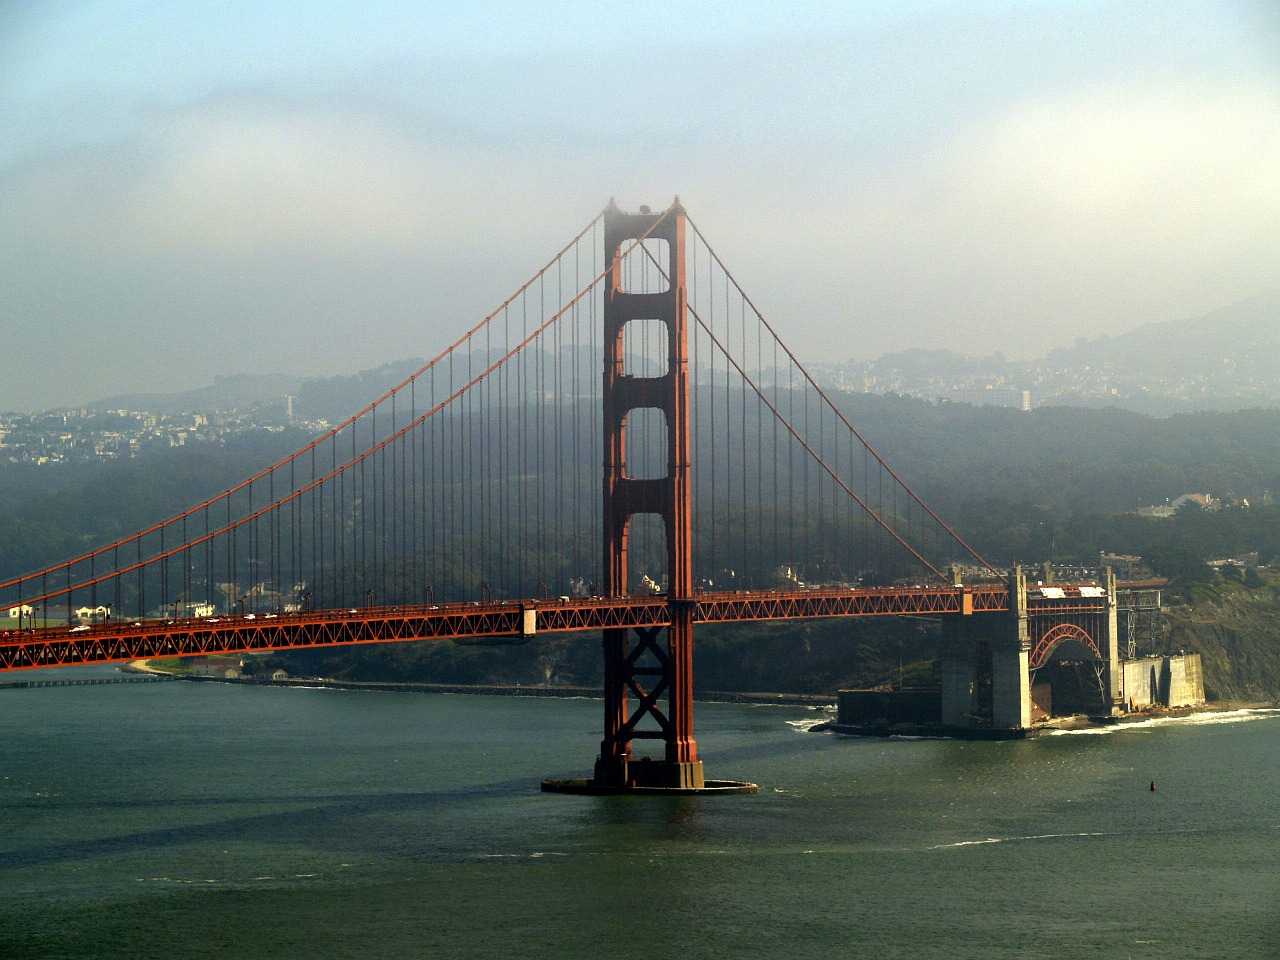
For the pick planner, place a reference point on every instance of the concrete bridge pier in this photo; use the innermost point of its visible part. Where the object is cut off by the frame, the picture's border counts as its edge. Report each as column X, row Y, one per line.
column 1010, row 689
column 958, row 678
column 1115, row 677
column 986, row 676
column 1010, row 663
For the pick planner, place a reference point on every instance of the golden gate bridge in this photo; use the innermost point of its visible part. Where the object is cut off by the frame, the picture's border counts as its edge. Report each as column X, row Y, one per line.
column 468, row 501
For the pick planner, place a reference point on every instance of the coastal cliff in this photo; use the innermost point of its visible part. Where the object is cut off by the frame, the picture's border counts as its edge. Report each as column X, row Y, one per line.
column 1236, row 631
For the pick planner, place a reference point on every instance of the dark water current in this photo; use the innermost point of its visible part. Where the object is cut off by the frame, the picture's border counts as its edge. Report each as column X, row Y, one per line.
column 188, row 820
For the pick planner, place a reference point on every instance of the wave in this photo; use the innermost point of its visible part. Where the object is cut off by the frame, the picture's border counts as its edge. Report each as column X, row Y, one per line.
column 1193, row 719
column 804, row 726
column 1036, row 836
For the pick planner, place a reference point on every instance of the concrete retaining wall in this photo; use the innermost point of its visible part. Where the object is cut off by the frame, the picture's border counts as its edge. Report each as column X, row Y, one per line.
column 859, row 708
column 1186, row 680
column 1162, row 681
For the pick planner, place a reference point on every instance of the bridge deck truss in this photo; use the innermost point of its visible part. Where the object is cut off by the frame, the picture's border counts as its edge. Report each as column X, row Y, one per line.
column 155, row 639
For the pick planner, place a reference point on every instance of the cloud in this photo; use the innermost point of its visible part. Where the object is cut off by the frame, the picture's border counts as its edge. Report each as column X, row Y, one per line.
column 234, row 234
column 1098, row 157
column 1102, row 205
column 246, row 179
column 1015, row 227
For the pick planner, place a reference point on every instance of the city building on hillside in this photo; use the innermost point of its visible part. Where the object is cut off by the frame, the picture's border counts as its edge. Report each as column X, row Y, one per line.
column 1204, row 501
column 992, row 396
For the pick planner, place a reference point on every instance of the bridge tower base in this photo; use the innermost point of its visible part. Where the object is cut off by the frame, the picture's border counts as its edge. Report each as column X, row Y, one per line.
column 986, row 677
column 651, row 668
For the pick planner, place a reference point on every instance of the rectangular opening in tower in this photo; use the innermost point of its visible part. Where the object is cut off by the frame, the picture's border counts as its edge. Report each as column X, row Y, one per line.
column 646, row 555
column 646, row 349
column 646, row 439
column 646, row 266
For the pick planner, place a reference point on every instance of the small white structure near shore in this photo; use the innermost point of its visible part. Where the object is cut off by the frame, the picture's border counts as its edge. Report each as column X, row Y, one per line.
column 223, row 668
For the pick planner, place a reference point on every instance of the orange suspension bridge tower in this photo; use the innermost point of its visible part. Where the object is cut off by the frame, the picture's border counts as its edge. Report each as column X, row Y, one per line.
column 636, row 676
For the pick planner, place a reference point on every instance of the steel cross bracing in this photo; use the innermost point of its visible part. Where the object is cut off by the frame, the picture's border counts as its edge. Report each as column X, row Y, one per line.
column 121, row 642
column 118, row 642
column 1079, row 614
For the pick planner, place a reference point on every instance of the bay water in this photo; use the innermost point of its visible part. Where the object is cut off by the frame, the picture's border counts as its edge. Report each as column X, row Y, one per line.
column 190, row 820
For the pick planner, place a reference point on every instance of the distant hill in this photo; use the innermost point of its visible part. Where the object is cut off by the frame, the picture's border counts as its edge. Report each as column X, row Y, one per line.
column 224, row 394
column 336, row 398
column 1243, row 337
column 316, row 398
column 1226, row 360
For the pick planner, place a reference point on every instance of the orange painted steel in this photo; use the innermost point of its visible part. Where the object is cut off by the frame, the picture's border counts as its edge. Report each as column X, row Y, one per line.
column 795, row 434
column 1047, row 640
column 667, row 497
column 138, row 640
column 863, row 602
column 1073, row 616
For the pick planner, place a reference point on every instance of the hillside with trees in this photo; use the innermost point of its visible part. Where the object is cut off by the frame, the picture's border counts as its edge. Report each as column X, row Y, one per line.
column 1052, row 484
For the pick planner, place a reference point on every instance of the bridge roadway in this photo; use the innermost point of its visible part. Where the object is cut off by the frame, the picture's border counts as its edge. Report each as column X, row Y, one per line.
column 255, row 633
column 140, row 639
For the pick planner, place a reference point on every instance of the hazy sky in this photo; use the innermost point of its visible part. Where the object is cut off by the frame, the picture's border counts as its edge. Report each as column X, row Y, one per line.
column 190, row 189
